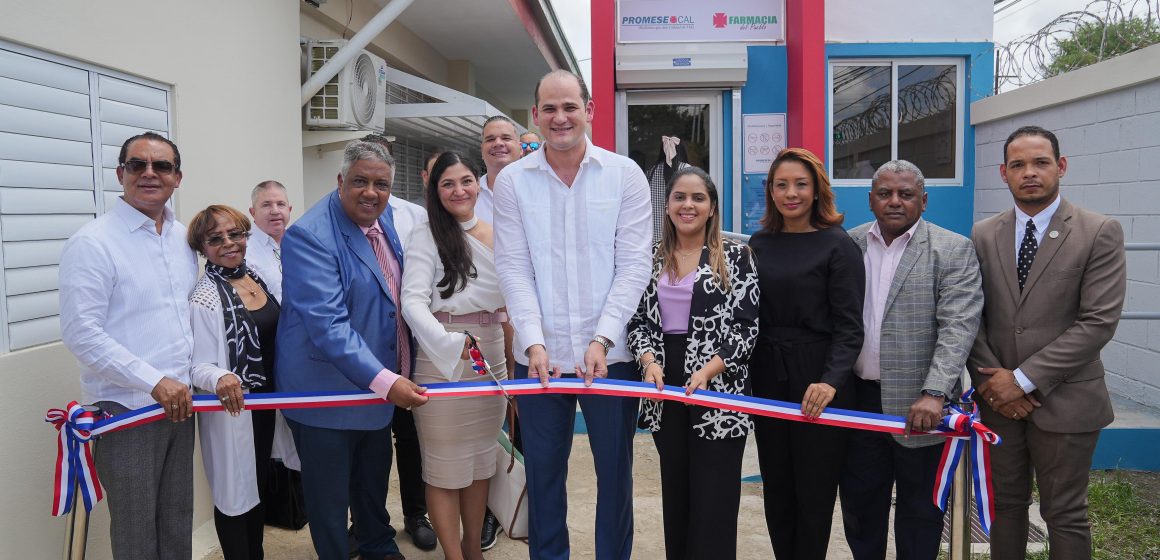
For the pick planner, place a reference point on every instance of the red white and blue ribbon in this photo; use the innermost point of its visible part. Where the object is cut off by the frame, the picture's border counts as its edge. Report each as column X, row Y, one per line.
column 75, row 468
column 952, row 427
column 978, row 444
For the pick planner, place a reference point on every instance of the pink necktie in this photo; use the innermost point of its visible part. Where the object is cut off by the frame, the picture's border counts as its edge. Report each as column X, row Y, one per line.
column 390, row 267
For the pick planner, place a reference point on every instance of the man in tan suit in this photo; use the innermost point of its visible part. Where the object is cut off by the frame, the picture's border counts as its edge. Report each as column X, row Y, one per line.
column 1053, row 284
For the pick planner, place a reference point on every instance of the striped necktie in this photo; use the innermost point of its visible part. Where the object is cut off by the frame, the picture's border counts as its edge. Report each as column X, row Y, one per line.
column 391, row 272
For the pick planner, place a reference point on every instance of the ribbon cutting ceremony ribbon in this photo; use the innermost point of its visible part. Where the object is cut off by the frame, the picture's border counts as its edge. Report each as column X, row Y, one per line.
column 978, row 443
column 74, row 459
column 961, row 428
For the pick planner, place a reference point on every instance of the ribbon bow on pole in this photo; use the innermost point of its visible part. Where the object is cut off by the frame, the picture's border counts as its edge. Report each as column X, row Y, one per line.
column 75, row 468
column 978, row 443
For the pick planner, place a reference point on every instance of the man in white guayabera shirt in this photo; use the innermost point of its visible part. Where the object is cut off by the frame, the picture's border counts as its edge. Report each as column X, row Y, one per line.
column 125, row 281
column 572, row 248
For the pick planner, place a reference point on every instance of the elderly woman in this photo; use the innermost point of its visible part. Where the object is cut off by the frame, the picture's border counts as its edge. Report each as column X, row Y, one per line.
column 450, row 286
column 695, row 327
column 812, row 287
column 234, row 322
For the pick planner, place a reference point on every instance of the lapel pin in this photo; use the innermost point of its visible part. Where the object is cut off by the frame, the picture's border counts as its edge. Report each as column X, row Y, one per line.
column 1053, row 234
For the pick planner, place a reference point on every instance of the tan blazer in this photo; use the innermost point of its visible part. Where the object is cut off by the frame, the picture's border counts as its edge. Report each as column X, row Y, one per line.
column 1068, row 310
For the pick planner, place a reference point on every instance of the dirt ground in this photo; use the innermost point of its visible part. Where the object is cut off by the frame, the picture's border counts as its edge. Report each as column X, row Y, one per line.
column 648, row 544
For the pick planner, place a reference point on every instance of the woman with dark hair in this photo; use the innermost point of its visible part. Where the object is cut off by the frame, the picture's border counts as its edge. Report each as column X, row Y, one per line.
column 812, row 287
column 235, row 320
column 695, row 327
column 672, row 158
column 450, row 286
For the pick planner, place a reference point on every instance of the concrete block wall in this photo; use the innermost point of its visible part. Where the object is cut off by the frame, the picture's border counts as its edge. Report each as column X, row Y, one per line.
column 1112, row 143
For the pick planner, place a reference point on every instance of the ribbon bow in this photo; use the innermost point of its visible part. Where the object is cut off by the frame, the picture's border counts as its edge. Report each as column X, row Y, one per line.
column 669, row 147
column 980, row 439
column 74, row 458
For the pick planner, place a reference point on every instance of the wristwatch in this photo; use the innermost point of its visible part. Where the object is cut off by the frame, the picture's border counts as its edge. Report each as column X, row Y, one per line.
column 933, row 393
column 603, row 341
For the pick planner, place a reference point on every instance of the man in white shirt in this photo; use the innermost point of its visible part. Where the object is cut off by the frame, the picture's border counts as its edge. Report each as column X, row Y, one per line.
column 572, row 249
column 125, row 282
column 498, row 148
column 924, row 300
column 270, row 208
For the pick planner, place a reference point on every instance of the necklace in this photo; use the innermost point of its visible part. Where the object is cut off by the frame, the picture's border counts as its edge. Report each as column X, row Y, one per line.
column 253, row 290
column 686, row 253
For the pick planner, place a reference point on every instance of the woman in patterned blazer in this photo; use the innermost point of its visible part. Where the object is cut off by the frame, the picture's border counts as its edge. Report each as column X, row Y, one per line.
column 695, row 327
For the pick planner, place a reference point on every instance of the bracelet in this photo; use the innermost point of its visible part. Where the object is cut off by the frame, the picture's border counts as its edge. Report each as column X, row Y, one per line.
column 645, row 365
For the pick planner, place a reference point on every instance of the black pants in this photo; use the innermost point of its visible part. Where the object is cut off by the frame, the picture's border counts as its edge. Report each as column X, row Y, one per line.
column 241, row 535
column 408, row 461
column 700, row 478
column 875, row 463
column 801, row 462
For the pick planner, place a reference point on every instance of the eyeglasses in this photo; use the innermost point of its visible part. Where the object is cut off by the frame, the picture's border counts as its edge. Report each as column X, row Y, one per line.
column 531, row 145
column 160, row 167
column 234, row 236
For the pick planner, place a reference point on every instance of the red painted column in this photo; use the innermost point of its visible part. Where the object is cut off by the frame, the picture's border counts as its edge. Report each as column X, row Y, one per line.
column 603, row 86
column 805, row 25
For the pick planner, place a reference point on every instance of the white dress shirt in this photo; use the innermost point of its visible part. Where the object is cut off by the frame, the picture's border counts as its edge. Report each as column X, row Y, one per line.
column 265, row 256
column 485, row 204
column 407, row 215
column 1042, row 222
column 124, row 304
column 421, row 297
column 881, row 262
column 574, row 261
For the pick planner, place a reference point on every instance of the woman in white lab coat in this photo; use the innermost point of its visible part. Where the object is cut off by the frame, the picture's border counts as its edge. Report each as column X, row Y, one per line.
column 234, row 320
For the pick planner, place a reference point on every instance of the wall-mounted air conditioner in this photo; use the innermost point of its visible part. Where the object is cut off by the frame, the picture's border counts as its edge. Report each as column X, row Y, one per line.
column 356, row 98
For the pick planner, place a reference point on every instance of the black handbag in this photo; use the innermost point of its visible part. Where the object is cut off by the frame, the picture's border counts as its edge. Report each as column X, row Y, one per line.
column 283, row 499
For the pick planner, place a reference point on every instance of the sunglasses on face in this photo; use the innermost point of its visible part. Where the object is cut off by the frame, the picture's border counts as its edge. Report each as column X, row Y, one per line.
column 160, row 167
column 234, row 236
column 530, row 145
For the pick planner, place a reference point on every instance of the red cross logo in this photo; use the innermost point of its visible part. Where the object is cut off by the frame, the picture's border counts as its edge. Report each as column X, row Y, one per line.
column 719, row 19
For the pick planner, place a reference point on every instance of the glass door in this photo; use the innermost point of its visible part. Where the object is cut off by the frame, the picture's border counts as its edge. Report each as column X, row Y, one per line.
column 694, row 117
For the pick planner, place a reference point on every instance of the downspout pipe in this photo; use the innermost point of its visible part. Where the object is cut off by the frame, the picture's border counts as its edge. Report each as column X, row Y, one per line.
column 376, row 25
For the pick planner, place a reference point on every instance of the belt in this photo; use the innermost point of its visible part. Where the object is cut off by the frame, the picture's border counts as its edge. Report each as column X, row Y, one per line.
column 479, row 317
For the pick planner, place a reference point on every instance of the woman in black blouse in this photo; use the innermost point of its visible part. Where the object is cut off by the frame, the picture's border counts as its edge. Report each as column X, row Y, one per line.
column 812, row 284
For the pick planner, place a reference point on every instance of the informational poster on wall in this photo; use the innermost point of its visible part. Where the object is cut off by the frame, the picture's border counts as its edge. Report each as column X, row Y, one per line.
column 762, row 137
column 650, row 21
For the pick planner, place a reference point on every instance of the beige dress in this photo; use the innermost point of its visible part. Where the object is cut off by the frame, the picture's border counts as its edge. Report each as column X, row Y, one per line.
column 457, row 436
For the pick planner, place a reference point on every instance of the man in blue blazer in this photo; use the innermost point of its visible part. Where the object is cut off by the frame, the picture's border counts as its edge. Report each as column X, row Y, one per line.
column 340, row 330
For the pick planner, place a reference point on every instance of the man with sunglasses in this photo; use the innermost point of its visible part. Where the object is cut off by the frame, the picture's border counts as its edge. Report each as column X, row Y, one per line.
column 125, row 282
column 529, row 142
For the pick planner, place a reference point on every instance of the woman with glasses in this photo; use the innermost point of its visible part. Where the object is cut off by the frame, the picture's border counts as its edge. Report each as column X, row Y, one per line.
column 695, row 327
column 449, row 287
column 234, row 321
column 812, row 287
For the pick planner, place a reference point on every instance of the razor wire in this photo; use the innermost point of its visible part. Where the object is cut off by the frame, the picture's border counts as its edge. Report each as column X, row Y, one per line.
column 918, row 100
column 1031, row 58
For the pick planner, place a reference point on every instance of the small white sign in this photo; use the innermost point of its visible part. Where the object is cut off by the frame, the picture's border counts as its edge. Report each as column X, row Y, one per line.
column 762, row 137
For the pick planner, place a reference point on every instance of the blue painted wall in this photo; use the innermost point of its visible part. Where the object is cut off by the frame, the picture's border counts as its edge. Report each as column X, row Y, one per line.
column 950, row 206
column 764, row 92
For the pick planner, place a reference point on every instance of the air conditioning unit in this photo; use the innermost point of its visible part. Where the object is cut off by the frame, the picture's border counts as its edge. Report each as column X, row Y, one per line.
column 356, row 98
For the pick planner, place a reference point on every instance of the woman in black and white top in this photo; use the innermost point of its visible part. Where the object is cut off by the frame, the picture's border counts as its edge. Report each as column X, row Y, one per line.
column 695, row 327
column 235, row 320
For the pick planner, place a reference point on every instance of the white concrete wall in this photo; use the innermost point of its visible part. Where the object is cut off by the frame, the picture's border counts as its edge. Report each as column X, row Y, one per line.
column 1106, row 117
column 892, row 21
column 234, row 71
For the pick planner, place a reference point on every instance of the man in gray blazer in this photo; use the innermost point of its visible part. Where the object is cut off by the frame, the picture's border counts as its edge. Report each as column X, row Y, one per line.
column 1054, row 280
column 923, row 304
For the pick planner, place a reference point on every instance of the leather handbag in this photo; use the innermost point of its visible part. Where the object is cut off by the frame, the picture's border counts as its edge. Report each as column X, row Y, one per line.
column 283, row 498
column 508, row 492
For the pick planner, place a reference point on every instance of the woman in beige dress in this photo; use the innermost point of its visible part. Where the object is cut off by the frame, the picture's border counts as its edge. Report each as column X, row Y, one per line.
column 450, row 286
